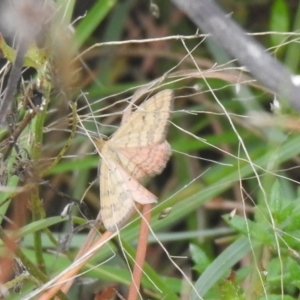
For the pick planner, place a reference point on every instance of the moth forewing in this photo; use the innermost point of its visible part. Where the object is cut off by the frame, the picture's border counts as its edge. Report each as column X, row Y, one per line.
column 148, row 124
column 118, row 192
column 138, row 149
column 145, row 162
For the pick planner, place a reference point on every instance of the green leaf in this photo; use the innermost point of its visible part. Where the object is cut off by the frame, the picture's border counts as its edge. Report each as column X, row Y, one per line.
column 224, row 262
column 279, row 21
column 199, row 257
column 92, row 19
column 287, row 211
column 39, row 225
column 276, row 199
column 239, row 223
column 231, row 290
column 249, row 228
column 276, row 297
column 292, row 239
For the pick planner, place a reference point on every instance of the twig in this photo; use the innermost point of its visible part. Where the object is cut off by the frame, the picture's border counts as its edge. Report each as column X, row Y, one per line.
column 61, row 281
column 32, row 269
column 85, row 247
column 13, row 81
column 212, row 20
column 14, row 137
column 140, row 253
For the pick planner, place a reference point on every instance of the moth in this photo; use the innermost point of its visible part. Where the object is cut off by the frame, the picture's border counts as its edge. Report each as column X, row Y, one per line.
column 138, row 149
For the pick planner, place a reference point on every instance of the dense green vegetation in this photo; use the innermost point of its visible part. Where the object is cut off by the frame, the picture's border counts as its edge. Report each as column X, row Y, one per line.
column 232, row 181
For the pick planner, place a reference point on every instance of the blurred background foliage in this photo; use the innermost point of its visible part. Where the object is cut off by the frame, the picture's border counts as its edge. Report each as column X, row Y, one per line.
column 249, row 166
